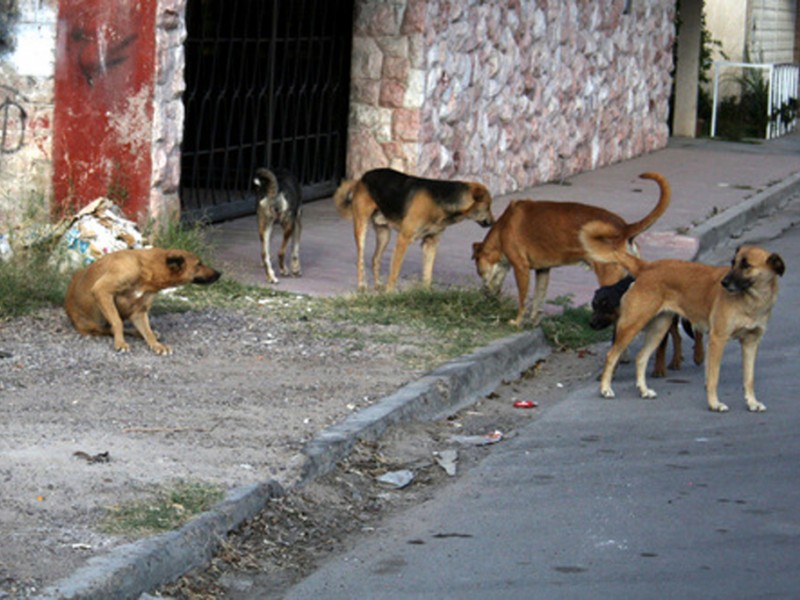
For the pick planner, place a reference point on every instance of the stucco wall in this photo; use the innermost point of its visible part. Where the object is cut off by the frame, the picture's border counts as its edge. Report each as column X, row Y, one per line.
column 512, row 93
column 26, row 96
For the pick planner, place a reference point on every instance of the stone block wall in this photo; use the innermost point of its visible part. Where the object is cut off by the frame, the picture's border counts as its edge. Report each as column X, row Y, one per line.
column 511, row 93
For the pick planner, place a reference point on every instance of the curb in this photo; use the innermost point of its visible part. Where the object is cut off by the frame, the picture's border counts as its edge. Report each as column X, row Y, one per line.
column 735, row 220
column 128, row 571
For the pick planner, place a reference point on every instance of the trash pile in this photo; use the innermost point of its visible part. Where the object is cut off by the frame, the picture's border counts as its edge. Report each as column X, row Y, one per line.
column 97, row 229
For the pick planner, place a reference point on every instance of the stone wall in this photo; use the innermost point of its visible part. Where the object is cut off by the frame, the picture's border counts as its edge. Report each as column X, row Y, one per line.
column 512, row 93
column 168, row 109
column 27, row 51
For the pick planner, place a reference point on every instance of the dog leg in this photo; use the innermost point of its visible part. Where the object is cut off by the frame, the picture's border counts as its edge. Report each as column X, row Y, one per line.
column 288, row 231
column 677, row 345
column 716, row 345
column 523, row 277
column 626, row 330
column 298, row 229
column 105, row 301
column 749, row 351
column 699, row 351
column 360, row 232
column 266, row 236
column 429, row 246
column 141, row 322
column 539, row 294
column 656, row 332
column 382, row 236
column 400, row 249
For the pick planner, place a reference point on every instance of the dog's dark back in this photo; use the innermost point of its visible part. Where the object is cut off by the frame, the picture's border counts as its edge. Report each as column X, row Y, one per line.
column 393, row 191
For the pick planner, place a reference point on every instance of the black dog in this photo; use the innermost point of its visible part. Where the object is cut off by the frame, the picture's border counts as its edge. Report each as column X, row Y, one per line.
column 605, row 312
column 279, row 200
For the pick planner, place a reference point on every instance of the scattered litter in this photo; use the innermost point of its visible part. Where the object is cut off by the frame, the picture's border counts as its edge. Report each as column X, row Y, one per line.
column 559, row 385
column 397, row 479
column 478, row 440
column 447, row 460
column 5, row 247
column 102, row 457
column 80, row 546
column 525, row 404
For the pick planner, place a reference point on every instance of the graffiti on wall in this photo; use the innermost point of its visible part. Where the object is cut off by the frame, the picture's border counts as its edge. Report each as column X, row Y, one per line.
column 13, row 120
column 95, row 57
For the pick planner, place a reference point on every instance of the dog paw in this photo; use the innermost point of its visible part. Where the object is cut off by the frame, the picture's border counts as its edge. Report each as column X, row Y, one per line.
column 122, row 347
column 648, row 393
column 718, row 407
column 161, row 349
column 607, row 393
column 756, row 406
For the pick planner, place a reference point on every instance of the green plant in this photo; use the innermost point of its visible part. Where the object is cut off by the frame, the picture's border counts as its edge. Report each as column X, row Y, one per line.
column 30, row 280
column 166, row 508
column 570, row 330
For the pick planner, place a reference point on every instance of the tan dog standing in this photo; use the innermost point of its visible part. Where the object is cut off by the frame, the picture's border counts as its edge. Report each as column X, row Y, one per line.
column 539, row 235
column 122, row 286
column 728, row 302
column 415, row 207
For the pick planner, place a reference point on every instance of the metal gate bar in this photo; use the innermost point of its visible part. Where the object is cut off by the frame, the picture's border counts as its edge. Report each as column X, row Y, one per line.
column 267, row 85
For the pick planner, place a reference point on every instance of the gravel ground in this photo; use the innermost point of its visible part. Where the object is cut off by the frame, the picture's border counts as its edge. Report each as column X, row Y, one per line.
column 235, row 403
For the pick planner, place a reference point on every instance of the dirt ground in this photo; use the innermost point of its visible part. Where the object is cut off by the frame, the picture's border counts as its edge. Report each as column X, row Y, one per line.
column 235, row 403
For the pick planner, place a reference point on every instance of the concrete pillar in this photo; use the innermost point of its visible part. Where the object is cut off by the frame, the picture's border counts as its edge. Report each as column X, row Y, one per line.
column 686, row 76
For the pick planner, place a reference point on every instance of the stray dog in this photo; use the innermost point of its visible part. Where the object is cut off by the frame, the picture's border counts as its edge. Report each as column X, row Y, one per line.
column 280, row 201
column 122, row 286
column 605, row 312
column 540, row 235
column 733, row 302
column 415, row 207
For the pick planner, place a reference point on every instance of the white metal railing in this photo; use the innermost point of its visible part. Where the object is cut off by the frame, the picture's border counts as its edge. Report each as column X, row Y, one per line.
column 782, row 92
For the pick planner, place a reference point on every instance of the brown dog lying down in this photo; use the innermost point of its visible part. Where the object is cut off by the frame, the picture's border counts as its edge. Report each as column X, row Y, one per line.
column 122, row 286
column 605, row 313
column 540, row 235
column 728, row 302
column 416, row 207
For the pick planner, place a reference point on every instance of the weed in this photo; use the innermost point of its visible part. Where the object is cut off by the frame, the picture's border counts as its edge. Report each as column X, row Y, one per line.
column 30, row 280
column 570, row 329
column 166, row 509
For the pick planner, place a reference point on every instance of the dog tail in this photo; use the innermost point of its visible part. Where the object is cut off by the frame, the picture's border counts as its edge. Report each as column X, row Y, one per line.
column 266, row 182
column 605, row 244
column 634, row 229
column 343, row 198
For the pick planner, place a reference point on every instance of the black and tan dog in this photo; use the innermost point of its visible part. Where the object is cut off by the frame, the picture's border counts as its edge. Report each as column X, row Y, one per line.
column 279, row 201
column 539, row 235
column 415, row 207
column 728, row 302
column 605, row 313
column 122, row 286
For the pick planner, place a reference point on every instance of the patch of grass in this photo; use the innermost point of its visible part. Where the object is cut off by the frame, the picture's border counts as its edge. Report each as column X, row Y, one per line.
column 167, row 509
column 570, row 330
column 29, row 280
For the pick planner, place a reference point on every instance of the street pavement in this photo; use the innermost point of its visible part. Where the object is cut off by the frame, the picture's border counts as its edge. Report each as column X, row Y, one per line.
column 625, row 498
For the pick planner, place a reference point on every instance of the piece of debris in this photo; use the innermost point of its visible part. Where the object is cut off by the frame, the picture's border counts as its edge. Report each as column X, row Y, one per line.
column 447, row 460
column 478, row 440
column 525, row 404
column 102, row 457
column 398, row 479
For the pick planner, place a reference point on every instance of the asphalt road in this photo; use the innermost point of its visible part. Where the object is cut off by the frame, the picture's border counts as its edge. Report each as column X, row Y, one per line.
column 623, row 498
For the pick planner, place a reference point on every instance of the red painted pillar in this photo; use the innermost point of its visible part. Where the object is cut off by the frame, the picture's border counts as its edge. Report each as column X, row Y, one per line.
column 104, row 87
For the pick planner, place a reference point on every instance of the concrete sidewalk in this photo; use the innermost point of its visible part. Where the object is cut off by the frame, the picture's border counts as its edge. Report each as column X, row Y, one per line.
column 718, row 189
column 707, row 177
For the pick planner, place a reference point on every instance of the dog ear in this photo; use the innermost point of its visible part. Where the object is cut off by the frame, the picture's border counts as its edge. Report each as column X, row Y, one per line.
column 476, row 249
column 776, row 264
column 175, row 262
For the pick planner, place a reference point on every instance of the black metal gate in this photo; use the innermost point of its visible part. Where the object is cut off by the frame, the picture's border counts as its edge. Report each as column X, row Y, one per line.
column 267, row 84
